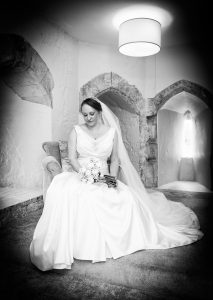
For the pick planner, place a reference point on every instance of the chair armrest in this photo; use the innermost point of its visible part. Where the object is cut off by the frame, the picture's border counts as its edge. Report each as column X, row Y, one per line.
column 54, row 168
column 51, row 168
column 52, row 149
column 51, row 165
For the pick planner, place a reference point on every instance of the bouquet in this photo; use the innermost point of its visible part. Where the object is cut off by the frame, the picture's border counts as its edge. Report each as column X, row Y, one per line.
column 92, row 174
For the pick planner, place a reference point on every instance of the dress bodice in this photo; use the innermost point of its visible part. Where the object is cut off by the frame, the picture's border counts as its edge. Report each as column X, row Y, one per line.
column 88, row 147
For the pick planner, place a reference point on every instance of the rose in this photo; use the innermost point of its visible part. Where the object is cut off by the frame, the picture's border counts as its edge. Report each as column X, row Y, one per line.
column 98, row 164
column 90, row 165
column 95, row 172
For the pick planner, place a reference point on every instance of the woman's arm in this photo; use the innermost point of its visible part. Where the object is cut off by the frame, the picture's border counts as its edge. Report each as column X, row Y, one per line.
column 114, row 165
column 72, row 150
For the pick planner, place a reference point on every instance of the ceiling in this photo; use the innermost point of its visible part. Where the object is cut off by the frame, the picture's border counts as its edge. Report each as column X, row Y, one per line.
column 184, row 101
column 91, row 20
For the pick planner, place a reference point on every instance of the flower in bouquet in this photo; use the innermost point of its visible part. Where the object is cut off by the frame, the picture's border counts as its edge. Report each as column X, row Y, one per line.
column 91, row 173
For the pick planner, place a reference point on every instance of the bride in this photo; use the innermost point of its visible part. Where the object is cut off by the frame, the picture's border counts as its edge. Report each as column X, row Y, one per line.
column 102, row 210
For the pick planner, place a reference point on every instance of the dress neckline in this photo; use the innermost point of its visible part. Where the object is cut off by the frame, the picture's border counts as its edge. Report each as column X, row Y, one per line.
column 95, row 139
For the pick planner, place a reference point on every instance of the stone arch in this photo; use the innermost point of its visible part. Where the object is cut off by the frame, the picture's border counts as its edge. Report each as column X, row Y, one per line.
column 131, row 97
column 183, row 85
column 24, row 71
column 160, row 99
column 113, row 82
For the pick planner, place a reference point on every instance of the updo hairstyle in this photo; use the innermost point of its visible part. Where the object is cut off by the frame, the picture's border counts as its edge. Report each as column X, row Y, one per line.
column 93, row 103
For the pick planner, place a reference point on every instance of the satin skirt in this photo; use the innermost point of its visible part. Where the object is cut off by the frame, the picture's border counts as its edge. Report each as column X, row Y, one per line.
column 93, row 222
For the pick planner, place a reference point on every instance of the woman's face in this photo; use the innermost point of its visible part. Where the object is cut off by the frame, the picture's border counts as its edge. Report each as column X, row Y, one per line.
column 90, row 115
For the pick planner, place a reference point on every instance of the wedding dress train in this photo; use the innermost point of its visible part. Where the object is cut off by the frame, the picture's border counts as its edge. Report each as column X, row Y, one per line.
column 93, row 222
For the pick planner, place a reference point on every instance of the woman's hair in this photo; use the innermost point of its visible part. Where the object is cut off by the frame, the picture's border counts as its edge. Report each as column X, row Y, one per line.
column 93, row 103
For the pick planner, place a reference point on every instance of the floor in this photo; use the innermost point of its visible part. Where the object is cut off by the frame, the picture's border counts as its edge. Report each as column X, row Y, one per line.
column 178, row 273
column 192, row 186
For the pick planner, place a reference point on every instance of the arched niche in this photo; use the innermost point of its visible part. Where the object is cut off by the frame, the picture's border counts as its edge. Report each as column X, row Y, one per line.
column 23, row 70
column 127, row 103
column 172, row 102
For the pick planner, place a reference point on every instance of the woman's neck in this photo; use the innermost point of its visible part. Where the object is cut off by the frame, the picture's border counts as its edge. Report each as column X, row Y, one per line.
column 95, row 127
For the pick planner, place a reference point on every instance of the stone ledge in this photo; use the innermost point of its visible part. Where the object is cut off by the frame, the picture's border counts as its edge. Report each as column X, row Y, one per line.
column 187, row 194
column 14, row 212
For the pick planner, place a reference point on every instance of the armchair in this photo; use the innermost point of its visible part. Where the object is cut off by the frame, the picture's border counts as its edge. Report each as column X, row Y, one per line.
column 55, row 162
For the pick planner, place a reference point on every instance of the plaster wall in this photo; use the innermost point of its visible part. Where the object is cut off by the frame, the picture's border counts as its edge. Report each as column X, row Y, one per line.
column 60, row 53
column 180, row 62
column 169, row 124
column 172, row 64
column 97, row 59
column 24, row 127
column 149, row 74
column 202, row 160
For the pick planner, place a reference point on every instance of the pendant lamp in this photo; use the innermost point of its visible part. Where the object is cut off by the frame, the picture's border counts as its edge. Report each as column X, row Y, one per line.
column 139, row 37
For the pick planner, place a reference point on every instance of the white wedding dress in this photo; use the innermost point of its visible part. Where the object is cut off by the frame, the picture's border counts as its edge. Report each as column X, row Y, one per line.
column 93, row 222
